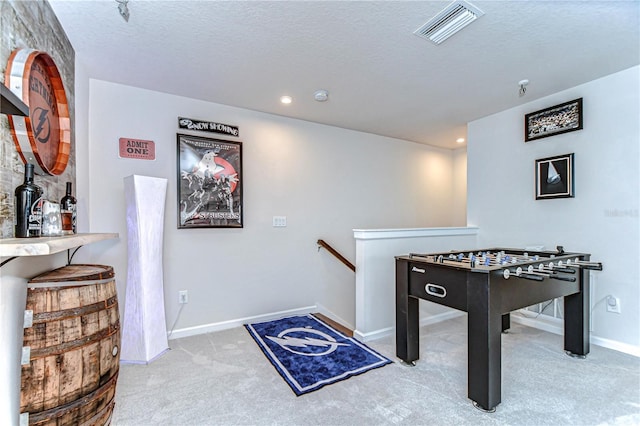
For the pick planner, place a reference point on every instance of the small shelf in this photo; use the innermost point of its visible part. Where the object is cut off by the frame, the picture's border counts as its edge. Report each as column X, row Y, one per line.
column 11, row 104
column 48, row 245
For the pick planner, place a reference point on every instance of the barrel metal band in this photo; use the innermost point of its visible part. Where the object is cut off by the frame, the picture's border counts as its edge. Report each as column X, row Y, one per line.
column 55, row 413
column 42, row 317
column 74, row 344
column 54, row 285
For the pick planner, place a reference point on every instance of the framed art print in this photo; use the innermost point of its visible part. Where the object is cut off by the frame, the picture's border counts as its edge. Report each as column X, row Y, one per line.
column 209, row 183
column 554, row 177
column 562, row 118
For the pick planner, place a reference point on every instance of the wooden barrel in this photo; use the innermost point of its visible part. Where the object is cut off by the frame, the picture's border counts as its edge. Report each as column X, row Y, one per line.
column 74, row 347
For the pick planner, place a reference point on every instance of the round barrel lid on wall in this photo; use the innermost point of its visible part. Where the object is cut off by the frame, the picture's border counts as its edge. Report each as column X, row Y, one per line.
column 44, row 137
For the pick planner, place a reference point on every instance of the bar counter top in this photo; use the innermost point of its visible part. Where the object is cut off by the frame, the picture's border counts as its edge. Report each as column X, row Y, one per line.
column 49, row 245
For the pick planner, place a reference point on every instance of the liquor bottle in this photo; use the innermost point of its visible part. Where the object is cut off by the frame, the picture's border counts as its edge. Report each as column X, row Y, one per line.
column 68, row 212
column 28, row 206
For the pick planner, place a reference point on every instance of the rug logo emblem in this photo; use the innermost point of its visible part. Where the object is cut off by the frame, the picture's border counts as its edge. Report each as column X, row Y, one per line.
column 310, row 346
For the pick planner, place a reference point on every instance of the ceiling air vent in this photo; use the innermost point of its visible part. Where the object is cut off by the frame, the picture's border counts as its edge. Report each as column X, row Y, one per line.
column 452, row 19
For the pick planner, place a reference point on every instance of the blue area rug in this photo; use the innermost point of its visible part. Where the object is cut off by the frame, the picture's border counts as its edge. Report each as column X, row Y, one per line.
column 309, row 354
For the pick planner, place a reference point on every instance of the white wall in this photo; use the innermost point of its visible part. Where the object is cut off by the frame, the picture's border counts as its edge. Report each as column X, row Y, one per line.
column 376, row 274
column 326, row 180
column 459, row 208
column 603, row 217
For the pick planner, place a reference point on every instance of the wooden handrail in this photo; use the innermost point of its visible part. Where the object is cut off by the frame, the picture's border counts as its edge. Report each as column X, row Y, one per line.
column 341, row 258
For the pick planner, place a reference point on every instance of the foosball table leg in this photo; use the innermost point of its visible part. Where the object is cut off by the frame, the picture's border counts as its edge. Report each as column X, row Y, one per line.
column 407, row 325
column 484, row 329
column 576, row 319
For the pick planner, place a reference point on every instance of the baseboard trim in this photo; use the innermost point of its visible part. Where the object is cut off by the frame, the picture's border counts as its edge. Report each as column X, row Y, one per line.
column 373, row 335
column 433, row 319
column 225, row 325
column 384, row 332
column 556, row 326
column 616, row 346
column 552, row 325
column 333, row 316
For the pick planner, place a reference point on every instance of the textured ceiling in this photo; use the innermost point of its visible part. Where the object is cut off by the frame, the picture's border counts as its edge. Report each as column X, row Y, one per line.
column 381, row 77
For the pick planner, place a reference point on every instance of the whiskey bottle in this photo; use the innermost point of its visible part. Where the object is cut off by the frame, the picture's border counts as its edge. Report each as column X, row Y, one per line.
column 28, row 206
column 68, row 212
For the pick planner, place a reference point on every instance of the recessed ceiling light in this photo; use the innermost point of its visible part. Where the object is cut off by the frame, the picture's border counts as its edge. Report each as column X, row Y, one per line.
column 460, row 140
column 286, row 99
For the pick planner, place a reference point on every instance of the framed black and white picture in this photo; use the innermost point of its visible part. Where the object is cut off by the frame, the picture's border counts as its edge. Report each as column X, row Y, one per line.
column 209, row 183
column 562, row 118
column 554, row 177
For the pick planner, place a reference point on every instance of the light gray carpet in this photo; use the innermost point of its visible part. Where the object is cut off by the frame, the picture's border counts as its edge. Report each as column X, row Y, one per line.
column 224, row 379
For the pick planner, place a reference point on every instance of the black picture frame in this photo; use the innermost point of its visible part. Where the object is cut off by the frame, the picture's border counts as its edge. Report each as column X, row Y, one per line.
column 558, row 119
column 555, row 177
column 210, row 184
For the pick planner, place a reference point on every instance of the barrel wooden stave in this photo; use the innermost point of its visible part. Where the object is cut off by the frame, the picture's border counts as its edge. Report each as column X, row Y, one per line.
column 93, row 409
column 74, row 342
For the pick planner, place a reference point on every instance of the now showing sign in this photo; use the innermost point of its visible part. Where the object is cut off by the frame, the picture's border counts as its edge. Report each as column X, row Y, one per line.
column 137, row 148
column 208, row 126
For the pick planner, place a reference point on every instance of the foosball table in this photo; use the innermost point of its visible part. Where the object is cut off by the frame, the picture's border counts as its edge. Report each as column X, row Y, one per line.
column 488, row 285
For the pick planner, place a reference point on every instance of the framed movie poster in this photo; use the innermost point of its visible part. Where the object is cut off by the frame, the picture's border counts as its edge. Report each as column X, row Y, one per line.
column 209, row 183
column 554, row 177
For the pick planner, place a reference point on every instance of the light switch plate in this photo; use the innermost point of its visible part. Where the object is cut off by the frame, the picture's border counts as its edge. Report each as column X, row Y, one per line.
column 279, row 221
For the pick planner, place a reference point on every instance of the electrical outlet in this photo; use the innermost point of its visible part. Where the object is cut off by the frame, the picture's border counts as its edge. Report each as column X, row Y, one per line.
column 613, row 304
column 183, row 296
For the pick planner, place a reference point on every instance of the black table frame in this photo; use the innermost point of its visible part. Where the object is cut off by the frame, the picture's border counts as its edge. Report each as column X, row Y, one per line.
column 488, row 298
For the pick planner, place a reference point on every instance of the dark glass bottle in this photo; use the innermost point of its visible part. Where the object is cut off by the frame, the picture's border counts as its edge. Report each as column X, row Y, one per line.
column 68, row 212
column 28, row 206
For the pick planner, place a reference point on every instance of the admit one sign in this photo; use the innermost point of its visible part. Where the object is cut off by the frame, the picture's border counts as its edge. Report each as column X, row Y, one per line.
column 137, row 148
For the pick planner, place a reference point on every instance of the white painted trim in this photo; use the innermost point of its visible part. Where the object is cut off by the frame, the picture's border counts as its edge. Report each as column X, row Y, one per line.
column 373, row 335
column 384, row 332
column 329, row 314
column 379, row 234
column 546, row 323
column 225, row 325
column 556, row 326
column 616, row 346
column 433, row 319
column 552, row 325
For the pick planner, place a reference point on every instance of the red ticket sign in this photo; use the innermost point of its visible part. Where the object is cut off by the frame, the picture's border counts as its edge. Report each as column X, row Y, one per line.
column 137, row 148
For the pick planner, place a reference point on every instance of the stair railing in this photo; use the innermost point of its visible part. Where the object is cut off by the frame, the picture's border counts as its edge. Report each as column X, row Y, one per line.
column 341, row 258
